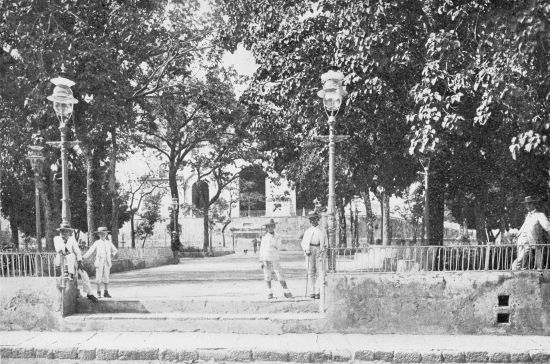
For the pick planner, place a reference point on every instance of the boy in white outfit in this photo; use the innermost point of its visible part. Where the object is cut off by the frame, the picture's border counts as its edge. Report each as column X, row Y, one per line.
column 105, row 250
column 269, row 259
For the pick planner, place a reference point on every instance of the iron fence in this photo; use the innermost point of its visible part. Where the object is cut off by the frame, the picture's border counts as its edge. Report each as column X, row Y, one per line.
column 28, row 264
column 387, row 259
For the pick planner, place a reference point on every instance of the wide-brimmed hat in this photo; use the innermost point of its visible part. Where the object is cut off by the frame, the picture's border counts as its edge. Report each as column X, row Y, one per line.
column 529, row 199
column 271, row 222
column 313, row 215
column 102, row 229
column 65, row 227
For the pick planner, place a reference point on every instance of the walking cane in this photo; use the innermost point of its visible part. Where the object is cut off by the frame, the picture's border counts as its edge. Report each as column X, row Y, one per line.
column 307, row 273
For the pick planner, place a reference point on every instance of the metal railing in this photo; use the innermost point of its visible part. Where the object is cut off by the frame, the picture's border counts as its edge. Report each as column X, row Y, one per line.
column 28, row 264
column 387, row 259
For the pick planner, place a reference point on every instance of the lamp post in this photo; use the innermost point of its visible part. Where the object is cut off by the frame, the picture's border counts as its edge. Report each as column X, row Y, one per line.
column 36, row 157
column 332, row 95
column 63, row 103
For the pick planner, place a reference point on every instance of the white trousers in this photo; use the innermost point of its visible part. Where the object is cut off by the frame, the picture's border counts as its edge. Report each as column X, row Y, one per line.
column 313, row 265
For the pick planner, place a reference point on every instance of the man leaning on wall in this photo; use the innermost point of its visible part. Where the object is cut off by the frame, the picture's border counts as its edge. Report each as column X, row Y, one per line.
column 531, row 234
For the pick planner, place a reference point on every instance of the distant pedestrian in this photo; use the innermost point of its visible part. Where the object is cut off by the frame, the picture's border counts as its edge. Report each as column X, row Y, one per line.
column 70, row 255
column 270, row 259
column 105, row 250
column 313, row 241
column 255, row 245
column 531, row 233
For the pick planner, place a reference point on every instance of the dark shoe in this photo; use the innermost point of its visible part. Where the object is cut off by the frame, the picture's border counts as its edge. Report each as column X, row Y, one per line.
column 270, row 296
column 71, row 277
column 92, row 298
column 317, row 296
column 312, row 296
column 106, row 294
column 288, row 295
column 99, row 294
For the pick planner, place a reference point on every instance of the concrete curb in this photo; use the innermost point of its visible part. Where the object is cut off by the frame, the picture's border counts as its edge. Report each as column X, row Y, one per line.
column 309, row 348
column 263, row 355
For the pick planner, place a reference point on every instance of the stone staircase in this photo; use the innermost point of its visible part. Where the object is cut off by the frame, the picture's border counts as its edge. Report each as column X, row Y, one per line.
column 221, row 315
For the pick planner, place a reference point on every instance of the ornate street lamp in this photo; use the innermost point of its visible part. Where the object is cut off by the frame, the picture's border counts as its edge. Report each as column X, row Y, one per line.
column 332, row 95
column 63, row 103
column 36, row 157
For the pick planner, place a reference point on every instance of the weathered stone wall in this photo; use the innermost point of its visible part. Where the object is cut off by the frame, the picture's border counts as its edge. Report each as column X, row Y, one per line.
column 139, row 258
column 439, row 303
column 33, row 303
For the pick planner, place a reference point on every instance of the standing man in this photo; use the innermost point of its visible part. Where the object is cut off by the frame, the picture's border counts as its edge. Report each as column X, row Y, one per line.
column 270, row 260
column 531, row 232
column 105, row 250
column 66, row 246
column 313, row 242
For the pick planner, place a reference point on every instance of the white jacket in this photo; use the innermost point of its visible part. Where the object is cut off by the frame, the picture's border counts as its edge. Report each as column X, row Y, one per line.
column 66, row 247
column 313, row 236
column 104, row 251
column 269, row 247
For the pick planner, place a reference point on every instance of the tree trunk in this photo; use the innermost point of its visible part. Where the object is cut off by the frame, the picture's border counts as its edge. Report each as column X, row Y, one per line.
column 14, row 233
column 132, row 231
column 174, row 228
column 386, row 224
column 437, row 204
column 49, row 226
column 90, row 216
column 113, row 190
column 206, row 225
column 369, row 216
column 342, row 225
column 224, row 227
column 480, row 219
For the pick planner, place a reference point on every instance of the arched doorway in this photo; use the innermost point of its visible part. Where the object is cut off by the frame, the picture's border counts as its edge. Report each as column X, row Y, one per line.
column 252, row 191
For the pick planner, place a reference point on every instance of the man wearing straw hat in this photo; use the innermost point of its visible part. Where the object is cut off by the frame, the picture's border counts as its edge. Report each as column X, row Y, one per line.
column 313, row 241
column 531, row 232
column 105, row 250
column 66, row 246
column 269, row 258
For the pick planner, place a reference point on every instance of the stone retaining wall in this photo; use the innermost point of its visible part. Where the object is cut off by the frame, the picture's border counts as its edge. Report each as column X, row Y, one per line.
column 138, row 258
column 440, row 303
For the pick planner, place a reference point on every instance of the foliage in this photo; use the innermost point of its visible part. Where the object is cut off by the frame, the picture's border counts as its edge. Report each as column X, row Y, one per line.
column 462, row 82
column 149, row 217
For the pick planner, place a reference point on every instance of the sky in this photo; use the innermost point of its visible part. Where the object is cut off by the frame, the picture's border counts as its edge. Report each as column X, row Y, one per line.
column 242, row 60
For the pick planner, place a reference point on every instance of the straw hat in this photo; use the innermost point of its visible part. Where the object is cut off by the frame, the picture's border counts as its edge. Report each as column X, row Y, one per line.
column 65, row 227
column 270, row 223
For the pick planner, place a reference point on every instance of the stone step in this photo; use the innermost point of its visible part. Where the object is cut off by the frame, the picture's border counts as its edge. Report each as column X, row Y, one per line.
column 202, row 306
column 274, row 323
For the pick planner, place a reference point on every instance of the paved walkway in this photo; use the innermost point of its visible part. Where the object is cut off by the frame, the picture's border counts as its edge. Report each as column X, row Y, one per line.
column 231, row 277
column 85, row 346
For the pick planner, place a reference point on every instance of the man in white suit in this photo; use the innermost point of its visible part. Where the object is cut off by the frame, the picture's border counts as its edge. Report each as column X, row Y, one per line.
column 69, row 255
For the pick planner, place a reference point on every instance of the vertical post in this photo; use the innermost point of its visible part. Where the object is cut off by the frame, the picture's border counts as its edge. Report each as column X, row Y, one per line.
column 37, row 207
column 65, row 199
column 331, row 196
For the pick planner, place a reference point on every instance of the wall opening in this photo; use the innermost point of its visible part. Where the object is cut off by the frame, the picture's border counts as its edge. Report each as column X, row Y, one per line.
column 503, row 318
column 504, row 300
